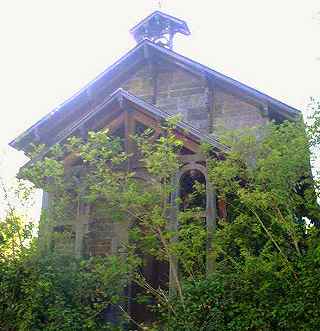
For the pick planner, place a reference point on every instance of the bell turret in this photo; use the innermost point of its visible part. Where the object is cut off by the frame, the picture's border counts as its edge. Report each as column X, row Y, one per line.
column 159, row 28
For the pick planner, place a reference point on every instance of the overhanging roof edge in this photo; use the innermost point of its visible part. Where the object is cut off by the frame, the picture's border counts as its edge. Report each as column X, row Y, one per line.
column 212, row 139
column 116, row 96
column 84, row 89
column 227, row 79
column 260, row 95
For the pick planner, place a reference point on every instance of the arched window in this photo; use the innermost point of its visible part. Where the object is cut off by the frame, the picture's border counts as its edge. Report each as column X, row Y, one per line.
column 193, row 190
column 196, row 192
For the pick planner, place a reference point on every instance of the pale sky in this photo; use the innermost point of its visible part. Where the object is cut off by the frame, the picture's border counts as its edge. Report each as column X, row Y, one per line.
column 52, row 48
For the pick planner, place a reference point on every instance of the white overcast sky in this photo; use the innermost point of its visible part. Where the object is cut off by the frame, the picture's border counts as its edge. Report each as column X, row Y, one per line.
column 51, row 48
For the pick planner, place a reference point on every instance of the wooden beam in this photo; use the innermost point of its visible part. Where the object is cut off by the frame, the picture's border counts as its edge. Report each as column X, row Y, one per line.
column 129, row 130
column 95, row 124
column 211, row 104
column 70, row 160
column 211, row 220
column 192, row 158
column 115, row 123
column 188, row 143
column 155, row 135
column 146, row 120
column 154, row 73
column 152, row 123
column 173, row 227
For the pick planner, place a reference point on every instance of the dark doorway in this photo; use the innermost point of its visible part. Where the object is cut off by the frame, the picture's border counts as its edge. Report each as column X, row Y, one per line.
column 156, row 274
column 154, row 271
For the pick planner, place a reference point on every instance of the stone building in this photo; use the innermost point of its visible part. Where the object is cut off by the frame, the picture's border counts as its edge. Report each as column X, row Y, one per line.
column 145, row 86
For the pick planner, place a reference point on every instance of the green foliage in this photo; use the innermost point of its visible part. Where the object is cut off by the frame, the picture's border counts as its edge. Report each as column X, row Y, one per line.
column 259, row 295
column 54, row 290
column 16, row 230
column 202, row 308
column 314, row 127
column 270, row 194
column 59, row 292
column 102, row 178
column 266, row 254
column 15, row 234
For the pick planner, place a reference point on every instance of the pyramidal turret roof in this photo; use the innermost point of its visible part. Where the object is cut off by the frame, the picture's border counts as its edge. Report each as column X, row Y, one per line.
column 159, row 28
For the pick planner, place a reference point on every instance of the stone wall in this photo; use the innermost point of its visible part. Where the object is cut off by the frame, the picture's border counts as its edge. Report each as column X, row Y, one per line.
column 180, row 92
column 105, row 237
column 231, row 112
column 141, row 84
column 98, row 239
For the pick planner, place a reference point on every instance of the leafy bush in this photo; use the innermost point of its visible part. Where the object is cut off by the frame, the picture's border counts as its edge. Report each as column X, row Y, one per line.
column 266, row 256
column 267, row 253
column 258, row 296
column 60, row 292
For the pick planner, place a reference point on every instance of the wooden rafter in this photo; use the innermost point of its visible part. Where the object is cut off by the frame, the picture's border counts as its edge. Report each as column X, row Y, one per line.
column 115, row 123
column 129, row 130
